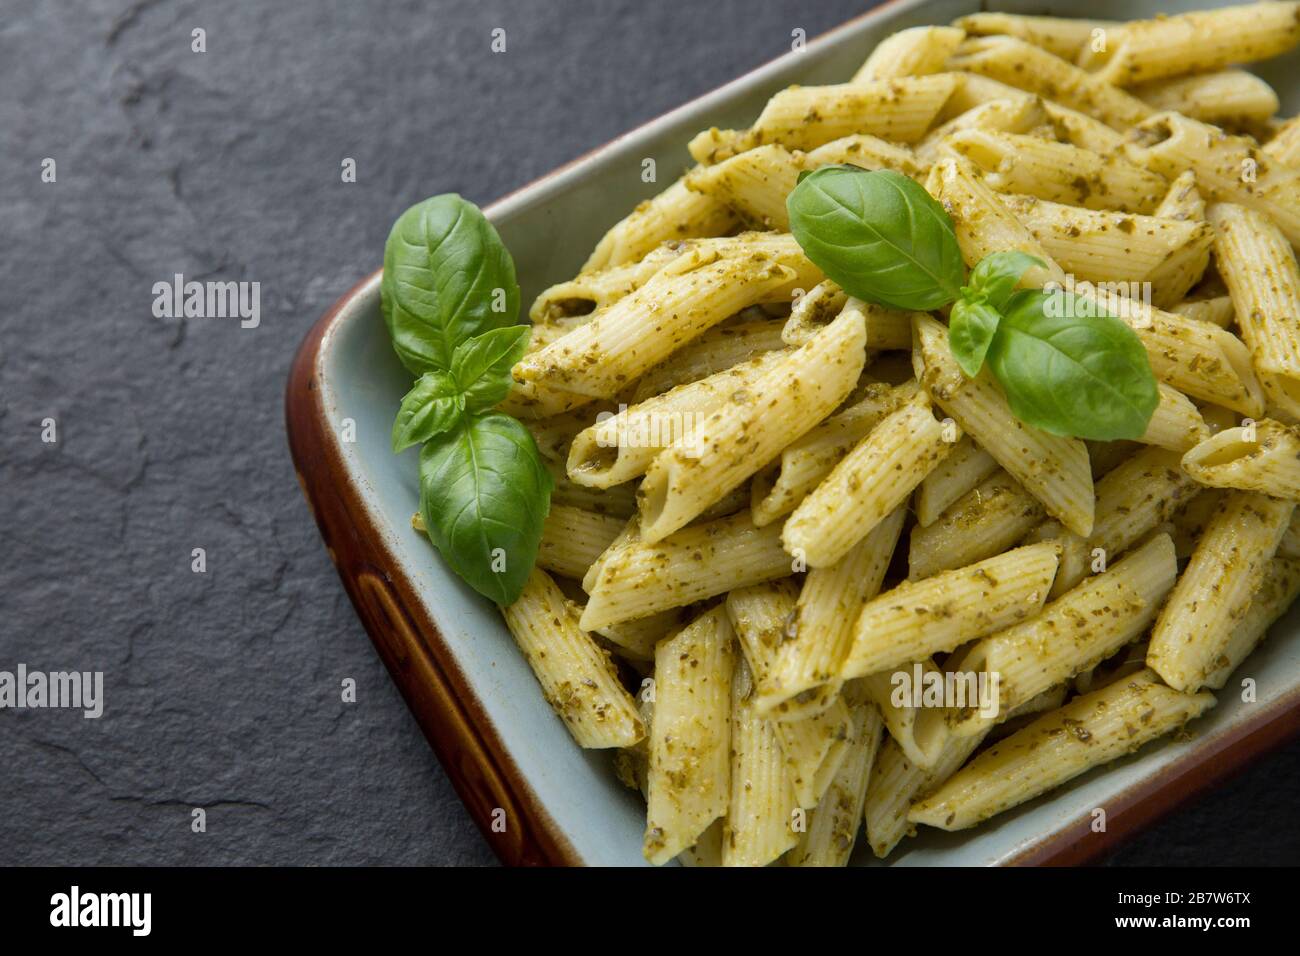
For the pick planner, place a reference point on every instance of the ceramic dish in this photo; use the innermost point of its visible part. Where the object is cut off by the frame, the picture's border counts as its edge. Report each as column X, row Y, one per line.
column 448, row 649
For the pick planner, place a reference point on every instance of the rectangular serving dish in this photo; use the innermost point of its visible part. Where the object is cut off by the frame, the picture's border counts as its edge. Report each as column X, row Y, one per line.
column 448, row 650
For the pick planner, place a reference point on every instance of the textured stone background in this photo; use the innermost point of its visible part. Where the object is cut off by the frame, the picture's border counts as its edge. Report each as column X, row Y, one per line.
column 222, row 688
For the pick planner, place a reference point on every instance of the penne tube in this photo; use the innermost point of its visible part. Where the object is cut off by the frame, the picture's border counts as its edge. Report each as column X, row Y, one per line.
column 761, row 807
column 1098, row 246
column 1176, row 423
column 574, row 539
column 1133, row 499
column 1059, row 172
column 1217, row 310
column 622, row 445
column 833, row 826
column 676, row 213
column 722, row 347
column 896, row 782
column 1215, row 590
column 636, row 640
column 578, row 679
column 754, row 184
column 619, row 502
column 689, row 781
column 887, row 329
column 1277, row 592
column 1075, row 632
column 813, row 311
column 983, row 224
column 741, row 436
column 579, row 298
column 1263, row 457
column 1284, row 146
column 918, row 51
column 865, row 150
column 1089, row 731
column 1259, row 268
column 761, row 616
column 1025, row 66
column 698, row 562
column 1080, row 129
column 985, row 521
column 1019, row 114
column 819, row 633
column 685, row 298
column 966, row 466
column 920, row 618
column 1053, row 469
column 1229, row 169
column 1059, row 36
column 1227, row 97
column 868, row 483
column 919, row 732
column 707, row 851
column 805, row 117
column 805, row 463
column 1197, row 42
column 813, row 747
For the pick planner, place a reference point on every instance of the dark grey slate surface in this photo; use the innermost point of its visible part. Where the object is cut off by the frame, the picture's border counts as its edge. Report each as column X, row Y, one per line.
column 223, row 688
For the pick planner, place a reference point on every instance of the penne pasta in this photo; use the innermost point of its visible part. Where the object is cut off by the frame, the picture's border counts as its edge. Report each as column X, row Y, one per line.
column 689, row 778
column 965, row 467
column 918, row 51
column 1215, row 590
column 1053, row 469
column 578, row 679
column 1194, row 42
column 1259, row 268
column 1075, row 632
column 698, row 562
column 819, row 633
column 920, row 618
column 805, row 463
column 832, row 828
column 1025, row 66
column 743, row 434
column 676, row 213
column 805, row 117
column 760, row 812
column 985, row 521
column 1089, row 731
column 868, row 483
column 1059, row 36
column 1229, row 169
column 1263, row 456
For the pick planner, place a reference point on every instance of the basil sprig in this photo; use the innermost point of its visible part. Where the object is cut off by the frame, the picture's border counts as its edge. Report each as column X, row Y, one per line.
column 1065, row 366
column 450, row 301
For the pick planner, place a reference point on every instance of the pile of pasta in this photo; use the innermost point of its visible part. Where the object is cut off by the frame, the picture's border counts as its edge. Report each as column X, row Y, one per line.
column 771, row 498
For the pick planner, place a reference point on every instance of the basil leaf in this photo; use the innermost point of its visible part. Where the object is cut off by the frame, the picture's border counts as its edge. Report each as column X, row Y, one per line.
column 481, row 365
column 484, row 494
column 1070, row 371
column 995, row 276
column 447, row 277
column 971, row 327
column 432, row 406
column 879, row 235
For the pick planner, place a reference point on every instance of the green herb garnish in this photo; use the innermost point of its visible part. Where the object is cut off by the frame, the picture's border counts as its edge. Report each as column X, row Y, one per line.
column 451, row 303
column 1065, row 366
